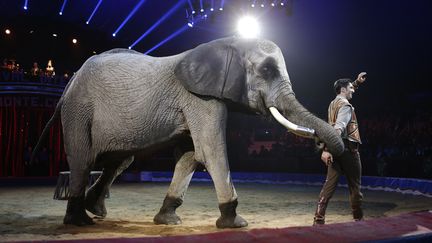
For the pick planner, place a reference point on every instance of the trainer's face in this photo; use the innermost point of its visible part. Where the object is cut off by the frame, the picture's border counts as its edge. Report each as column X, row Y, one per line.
column 348, row 91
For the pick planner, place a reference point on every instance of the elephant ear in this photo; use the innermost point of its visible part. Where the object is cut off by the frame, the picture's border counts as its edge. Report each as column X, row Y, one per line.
column 214, row 69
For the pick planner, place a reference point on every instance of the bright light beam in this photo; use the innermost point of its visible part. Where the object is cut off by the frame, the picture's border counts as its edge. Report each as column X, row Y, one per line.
column 25, row 5
column 248, row 27
column 191, row 7
column 128, row 17
column 179, row 31
column 94, row 11
column 170, row 12
column 62, row 8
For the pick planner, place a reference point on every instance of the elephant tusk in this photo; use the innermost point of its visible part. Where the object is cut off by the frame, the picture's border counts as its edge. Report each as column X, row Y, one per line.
column 296, row 129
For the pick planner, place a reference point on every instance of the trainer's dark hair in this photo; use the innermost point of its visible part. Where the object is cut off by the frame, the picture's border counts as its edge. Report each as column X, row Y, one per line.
column 341, row 83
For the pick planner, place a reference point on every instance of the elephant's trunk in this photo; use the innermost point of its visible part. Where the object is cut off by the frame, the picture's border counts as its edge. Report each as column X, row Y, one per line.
column 303, row 123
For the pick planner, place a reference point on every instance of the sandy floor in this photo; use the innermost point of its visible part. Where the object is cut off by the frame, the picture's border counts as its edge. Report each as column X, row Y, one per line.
column 30, row 213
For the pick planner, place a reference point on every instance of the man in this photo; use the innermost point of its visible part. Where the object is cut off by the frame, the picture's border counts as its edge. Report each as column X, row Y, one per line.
column 342, row 117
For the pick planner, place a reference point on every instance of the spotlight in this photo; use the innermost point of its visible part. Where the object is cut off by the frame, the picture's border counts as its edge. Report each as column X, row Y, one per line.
column 193, row 12
column 25, row 7
column 253, row 5
column 202, row 10
column 25, row 4
column 248, row 27
column 205, row 15
column 55, row 35
column 282, row 3
column 94, row 11
column 212, row 9
column 74, row 41
column 272, row 4
column 114, row 34
column 130, row 47
column 87, row 22
column 60, row 13
column 7, row 31
column 262, row 5
column 220, row 9
column 190, row 24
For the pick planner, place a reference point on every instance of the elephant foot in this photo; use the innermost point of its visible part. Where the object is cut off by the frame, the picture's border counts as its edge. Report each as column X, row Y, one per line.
column 167, row 218
column 229, row 217
column 167, row 213
column 76, row 214
column 95, row 205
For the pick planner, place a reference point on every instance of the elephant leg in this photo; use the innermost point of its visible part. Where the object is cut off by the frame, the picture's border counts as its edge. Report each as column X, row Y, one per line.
column 80, row 170
column 183, row 172
column 226, row 194
column 95, row 198
column 207, row 124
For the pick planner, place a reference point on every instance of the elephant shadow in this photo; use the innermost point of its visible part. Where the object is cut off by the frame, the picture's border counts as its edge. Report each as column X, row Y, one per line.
column 16, row 224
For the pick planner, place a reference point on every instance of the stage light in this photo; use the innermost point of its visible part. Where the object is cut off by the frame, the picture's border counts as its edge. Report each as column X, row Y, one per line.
column 253, row 5
column 62, row 8
column 7, row 31
column 94, row 11
column 282, row 3
column 129, row 16
column 212, row 9
column 55, row 35
column 74, row 41
column 202, row 10
column 201, row 6
column 114, row 34
column 163, row 18
column 190, row 24
column 212, row 5
column 193, row 11
column 272, row 4
column 247, row 27
column 25, row 4
column 262, row 5
column 130, row 47
column 222, row 2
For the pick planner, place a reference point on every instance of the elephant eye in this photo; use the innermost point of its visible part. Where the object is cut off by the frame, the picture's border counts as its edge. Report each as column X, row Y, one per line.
column 268, row 71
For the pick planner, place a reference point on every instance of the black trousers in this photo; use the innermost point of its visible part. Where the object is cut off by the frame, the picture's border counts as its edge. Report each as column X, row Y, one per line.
column 347, row 164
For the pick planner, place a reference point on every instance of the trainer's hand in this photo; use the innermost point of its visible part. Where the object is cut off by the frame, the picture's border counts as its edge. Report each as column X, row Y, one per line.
column 327, row 158
column 361, row 77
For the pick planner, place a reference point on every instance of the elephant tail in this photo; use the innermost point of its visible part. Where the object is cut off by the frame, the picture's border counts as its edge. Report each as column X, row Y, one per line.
column 46, row 130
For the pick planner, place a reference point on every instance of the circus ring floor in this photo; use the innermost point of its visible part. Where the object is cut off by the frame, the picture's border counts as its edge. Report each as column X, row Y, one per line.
column 29, row 213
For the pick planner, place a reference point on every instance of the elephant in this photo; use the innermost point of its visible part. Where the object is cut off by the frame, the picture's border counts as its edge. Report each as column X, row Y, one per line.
column 122, row 102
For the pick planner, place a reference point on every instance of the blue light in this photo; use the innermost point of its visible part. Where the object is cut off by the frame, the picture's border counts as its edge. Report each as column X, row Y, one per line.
column 62, row 8
column 191, row 7
column 179, row 31
column 169, row 13
column 212, row 9
column 129, row 16
column 94, row 11
column 202, row 10
column 25, row 4
column 114, row 34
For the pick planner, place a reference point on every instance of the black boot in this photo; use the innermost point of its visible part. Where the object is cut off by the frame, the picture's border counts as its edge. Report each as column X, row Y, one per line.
column 357, row 213
column 320, row 211
column 229, row 217
column 167, row 213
